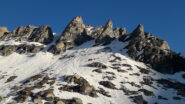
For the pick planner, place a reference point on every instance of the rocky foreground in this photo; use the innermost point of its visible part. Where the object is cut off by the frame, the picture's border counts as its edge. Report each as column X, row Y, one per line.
column 88, row 65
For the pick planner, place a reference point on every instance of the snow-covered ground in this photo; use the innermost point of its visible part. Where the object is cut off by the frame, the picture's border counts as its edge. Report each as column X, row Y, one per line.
column 75, row 61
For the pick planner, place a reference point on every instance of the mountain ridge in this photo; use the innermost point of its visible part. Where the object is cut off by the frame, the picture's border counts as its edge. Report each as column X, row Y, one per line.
column 86, row 64
column 142, row 46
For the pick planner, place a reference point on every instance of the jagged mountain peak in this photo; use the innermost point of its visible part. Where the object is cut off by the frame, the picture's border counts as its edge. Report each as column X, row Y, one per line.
column 141, row 46
column 78, row 19
column 3, row 29
column 86, row 64
column 109, row 24
column 139, row 31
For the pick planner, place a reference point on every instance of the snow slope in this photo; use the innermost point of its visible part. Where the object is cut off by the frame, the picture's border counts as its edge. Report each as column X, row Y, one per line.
column 75, row 61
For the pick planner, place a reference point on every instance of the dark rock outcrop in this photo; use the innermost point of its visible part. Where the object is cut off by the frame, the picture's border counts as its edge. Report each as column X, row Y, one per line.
column 151, row 50
column 30, row 33
column 22, row 36
column 82, row 86
column 139, row 99
column 43, row 34
column 180, row 87
column 97, row 65
column 107, row 84
column 6, row 50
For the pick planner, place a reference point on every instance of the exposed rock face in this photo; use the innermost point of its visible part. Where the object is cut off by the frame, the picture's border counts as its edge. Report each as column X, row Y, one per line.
column 82, row 86
column 76, row 33
column 151, row 50
column 3, row 30
column 22, row 33
column 73, row 35
column 42, row 34
column 142, row 46
column 107, row 35
column 107, row 84
column 6, row 50
column 21, row 37
column 31, row 33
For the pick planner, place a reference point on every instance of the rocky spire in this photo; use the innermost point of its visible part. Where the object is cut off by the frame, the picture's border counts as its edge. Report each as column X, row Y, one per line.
column 78, row 19
column 3, row 30
column 72, row 36
column 107, row 34
column 76, row 26
column 139, row 31
column 109, row 24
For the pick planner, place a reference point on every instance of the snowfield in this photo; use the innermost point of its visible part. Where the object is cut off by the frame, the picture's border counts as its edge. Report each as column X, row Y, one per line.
column 75, row 62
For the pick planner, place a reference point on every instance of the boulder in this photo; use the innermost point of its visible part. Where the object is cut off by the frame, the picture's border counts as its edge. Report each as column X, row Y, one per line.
column 107, row 84
column 37, row 101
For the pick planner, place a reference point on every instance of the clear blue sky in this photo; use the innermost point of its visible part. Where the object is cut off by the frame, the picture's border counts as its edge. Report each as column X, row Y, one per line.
column 163, row 18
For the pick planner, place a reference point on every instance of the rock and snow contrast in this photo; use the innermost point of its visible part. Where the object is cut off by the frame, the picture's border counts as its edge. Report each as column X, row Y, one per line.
column 88, row 65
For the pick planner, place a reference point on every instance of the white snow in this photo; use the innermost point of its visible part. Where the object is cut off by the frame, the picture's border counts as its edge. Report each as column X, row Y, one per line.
column 14, row 42
column 75, row 61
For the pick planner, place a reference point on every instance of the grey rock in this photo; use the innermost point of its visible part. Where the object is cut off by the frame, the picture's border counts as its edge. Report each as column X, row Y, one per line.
column 152, row 50
column 103, row 92
column 60, row 102
column 82, row 86
column 23, row 32
column 42, row 34
column 31, row 33
column 146, row 92
column 107, row 84
column 37, row 101
column 127, row 91
column 97, row 65
column 119, row 32
column 6, row 50
column 73, row 35
column 139, row 99
column 77, row 101
column 107, row 35
column 3, row 30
